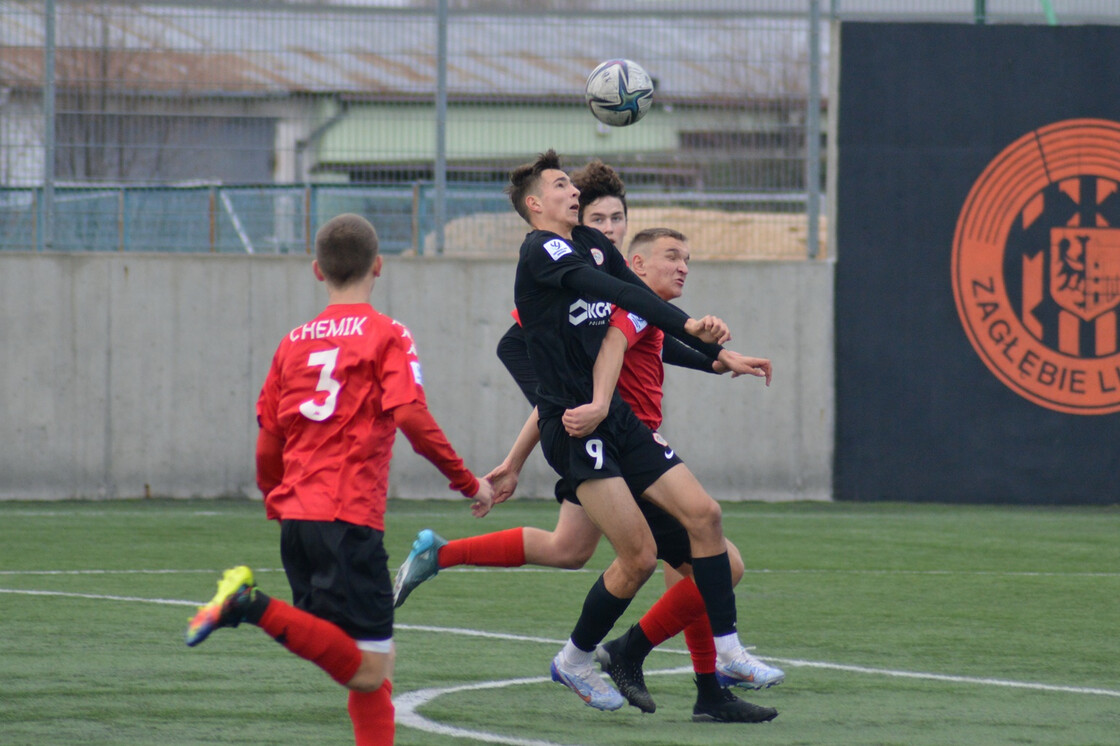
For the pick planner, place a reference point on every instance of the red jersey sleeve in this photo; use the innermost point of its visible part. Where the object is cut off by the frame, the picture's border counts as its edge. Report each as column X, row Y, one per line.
column 268, row 403
column 633, row 326
column 270, row 438
column 403, row 395
column 428, row 440
column 402, row 379
column 642, row 373
column 270, row 461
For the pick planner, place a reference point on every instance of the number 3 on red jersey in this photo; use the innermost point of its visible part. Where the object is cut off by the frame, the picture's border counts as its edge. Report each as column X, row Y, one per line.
column 310, row 409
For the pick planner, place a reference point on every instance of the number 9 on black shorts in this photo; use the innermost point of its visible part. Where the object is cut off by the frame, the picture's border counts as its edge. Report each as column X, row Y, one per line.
column 620, row 447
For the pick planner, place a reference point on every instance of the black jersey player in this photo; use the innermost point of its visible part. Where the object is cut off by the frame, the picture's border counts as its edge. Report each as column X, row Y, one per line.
column 568, row 276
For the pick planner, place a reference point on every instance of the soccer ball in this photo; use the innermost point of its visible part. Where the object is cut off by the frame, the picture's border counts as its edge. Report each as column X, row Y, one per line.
column 618, row 92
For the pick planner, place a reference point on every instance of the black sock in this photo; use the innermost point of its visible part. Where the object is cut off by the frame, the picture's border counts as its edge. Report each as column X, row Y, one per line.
column 635, row 644
column 707, row 686
column 601, row 610
column 713, row 577
column 254, row 610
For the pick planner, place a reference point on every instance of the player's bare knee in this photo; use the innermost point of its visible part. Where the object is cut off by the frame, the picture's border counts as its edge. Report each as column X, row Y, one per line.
column 373, row 671
column 630, row 572
column 642, row 566
column 574, row 558
column 713, row 517
column 705, row 520
column 366, row 681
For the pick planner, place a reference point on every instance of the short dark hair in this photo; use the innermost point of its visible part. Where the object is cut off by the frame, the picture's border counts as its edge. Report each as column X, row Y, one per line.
column 345, row 247
column 596, row 180
column 649, row 235
column 525, row 178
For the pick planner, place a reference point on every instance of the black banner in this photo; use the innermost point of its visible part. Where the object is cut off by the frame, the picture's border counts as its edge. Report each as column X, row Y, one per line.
column 978, row 273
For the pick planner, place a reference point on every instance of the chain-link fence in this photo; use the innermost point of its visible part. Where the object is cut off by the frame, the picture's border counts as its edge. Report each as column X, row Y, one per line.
column 240, row 126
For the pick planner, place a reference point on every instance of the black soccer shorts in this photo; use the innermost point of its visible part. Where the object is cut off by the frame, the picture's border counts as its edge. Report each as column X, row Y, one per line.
column 340, row 572
column 673, row 544
column 620, row 447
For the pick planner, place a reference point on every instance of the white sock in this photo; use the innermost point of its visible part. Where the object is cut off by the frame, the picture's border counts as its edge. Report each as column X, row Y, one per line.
column 728, row 646
column 573, row 657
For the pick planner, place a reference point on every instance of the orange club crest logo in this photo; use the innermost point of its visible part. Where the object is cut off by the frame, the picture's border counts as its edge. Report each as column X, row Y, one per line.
column 1036, row 266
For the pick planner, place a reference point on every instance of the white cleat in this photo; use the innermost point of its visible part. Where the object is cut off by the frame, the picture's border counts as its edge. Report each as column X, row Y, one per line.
column 588, row 684
column 748, row 672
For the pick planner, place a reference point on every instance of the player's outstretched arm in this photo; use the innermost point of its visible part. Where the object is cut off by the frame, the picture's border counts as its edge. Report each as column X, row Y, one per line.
column 427, row 439
column 711, row 329
column 483, row 500
column 739, row 365
column 504, row 475
column 676, row 352
column 504, row 480
column 633, row 295
column 581, row 421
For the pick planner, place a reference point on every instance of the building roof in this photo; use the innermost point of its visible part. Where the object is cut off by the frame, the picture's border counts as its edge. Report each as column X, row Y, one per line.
column 179, row 50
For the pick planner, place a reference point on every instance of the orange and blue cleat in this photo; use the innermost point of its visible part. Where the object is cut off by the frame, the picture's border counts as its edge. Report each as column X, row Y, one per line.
column 226, row 608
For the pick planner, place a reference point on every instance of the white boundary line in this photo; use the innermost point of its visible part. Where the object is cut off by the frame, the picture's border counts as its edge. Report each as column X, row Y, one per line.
column 100, row 597
column 407, row 703
column 557, row 571
column 795, row 662
column 945, row 677
column 798, row 663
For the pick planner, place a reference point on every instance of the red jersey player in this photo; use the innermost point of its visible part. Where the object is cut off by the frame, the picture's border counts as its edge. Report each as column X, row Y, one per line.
column 631, row 355
column 339, row 388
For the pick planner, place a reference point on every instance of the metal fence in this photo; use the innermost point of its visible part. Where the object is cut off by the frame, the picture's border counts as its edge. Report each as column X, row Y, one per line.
column 239, row 126
column 266, row 218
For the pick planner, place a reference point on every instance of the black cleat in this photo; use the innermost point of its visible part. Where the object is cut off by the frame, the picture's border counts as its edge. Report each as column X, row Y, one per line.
column 626, row 674
column 727, row 708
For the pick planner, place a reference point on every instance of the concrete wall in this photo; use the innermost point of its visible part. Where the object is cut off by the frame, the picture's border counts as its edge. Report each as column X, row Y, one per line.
column 132, row 375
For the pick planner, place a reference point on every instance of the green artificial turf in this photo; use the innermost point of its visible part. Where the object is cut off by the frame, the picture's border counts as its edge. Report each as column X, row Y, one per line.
column 896, row 624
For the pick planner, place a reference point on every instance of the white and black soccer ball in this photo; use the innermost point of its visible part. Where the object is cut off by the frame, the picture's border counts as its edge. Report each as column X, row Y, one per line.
column 618, row 92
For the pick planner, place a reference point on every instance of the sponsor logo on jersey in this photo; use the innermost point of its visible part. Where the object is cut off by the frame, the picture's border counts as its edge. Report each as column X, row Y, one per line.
column 557, row 248
column 1036, row 266
column 638, row 322
column 417, row 373
column 597, row 255
column 582, row 310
